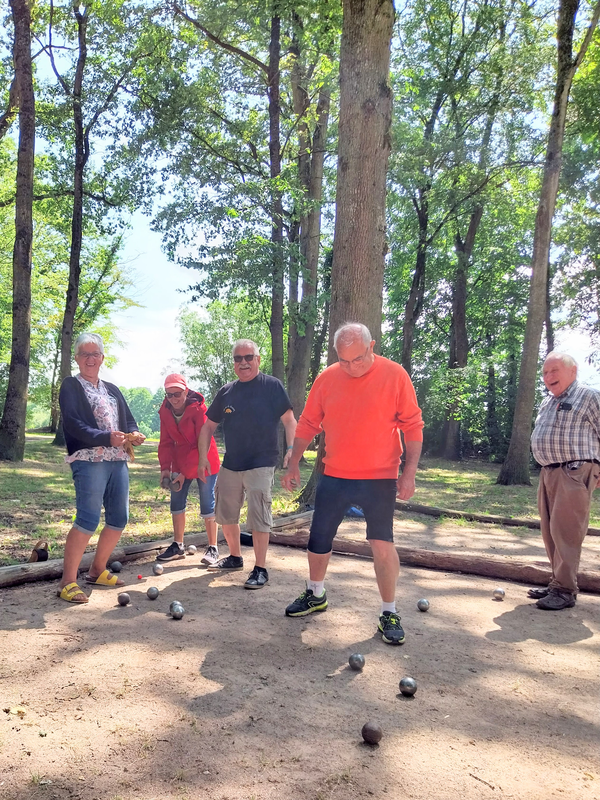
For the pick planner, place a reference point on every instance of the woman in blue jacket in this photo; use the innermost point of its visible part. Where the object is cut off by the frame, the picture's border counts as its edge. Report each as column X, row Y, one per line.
column 99, row 430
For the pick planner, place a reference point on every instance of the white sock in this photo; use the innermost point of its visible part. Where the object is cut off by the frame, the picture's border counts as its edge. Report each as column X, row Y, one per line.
column 316, row 587
column 389, row 607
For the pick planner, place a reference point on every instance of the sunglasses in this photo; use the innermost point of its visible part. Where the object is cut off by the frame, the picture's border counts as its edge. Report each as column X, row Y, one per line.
column 248, row 358
column 174, row 394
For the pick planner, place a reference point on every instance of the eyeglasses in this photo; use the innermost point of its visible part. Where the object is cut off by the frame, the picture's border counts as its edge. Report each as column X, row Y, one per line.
column 95, row 356
column 355, row 361
column 174, row 394
column 248, row 358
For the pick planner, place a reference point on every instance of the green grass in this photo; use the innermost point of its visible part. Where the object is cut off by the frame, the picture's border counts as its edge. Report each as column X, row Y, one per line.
column 37, row 500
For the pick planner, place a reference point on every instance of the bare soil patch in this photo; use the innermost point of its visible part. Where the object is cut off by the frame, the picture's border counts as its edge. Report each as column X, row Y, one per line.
column 236, row 701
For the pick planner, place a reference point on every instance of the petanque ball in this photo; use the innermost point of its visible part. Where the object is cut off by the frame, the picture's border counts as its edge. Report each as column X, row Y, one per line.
column 408, row 686
column 423, row 605
column 158, row 569
column 172, row 605
column 499, row 594
column 178, row 611
column 116, row 566
column 356, row 662
column 372, row 733
column 124, row 599
column 192, row 549
column 152, row 593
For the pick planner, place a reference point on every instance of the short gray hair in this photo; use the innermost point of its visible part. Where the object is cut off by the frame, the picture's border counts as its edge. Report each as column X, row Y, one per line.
column 566, row 359
column 89, row 338
column 245, row 343
column 350, row 332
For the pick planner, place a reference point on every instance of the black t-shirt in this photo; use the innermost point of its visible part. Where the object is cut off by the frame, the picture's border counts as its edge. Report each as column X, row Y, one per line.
column 250, row 413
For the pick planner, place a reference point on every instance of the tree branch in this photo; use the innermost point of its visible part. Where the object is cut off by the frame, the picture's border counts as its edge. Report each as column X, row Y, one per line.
column 100, row 198
column 225, row 45
column 12, row 107
column 588, row 37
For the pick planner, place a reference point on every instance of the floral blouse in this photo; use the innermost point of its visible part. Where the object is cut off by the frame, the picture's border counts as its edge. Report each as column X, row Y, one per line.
column 106, row 412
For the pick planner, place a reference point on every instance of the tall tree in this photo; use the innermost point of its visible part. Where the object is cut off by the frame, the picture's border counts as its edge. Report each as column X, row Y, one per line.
column 12, row 426
column 359, row 246
column 90, row 86
column 303, row 278
column 270, row 72
column 515, row 468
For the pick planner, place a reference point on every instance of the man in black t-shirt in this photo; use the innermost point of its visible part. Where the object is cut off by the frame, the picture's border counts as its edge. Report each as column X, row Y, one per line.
column 250, row 409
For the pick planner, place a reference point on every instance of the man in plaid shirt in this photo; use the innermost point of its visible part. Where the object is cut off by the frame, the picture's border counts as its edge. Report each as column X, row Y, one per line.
column 566, row 442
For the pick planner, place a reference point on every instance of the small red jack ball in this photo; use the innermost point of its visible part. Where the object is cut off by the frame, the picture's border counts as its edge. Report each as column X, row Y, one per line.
column 139, row 577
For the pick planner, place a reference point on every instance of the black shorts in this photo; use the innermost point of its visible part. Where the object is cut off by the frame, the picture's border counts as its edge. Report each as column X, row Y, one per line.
column 334, row 497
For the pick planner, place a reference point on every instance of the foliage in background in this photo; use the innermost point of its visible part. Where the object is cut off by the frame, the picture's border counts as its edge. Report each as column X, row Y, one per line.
column 208, row 336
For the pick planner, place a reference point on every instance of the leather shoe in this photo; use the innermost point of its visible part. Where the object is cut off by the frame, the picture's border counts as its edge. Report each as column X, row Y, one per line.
column 556, row 600
column 257, row 578
column 537, row 594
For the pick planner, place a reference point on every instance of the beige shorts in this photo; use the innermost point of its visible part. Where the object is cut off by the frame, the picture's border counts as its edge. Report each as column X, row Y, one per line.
column 255, row 485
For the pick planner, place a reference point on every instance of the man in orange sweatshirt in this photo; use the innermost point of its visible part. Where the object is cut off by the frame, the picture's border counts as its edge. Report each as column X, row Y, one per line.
column 361, row 403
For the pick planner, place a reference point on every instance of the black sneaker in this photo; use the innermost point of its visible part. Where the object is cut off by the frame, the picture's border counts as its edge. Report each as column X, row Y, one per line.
column 228, row 564
column 211, row 555
column 556, row 600
column 391, row 630
column 306, row 604
column 257, row 578
column 172, row 553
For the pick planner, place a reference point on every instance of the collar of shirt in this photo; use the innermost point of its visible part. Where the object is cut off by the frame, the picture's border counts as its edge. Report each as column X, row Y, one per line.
column 567, row 391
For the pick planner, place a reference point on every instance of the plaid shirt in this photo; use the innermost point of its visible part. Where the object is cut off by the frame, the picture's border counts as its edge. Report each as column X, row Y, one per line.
column 567, row 427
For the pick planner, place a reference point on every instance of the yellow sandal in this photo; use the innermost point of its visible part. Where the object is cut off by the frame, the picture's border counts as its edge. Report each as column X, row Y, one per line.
column 70, row 592
column 105, row 578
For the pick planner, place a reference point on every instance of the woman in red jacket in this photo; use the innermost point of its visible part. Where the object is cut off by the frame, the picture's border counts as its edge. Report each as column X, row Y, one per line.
column 182, row 415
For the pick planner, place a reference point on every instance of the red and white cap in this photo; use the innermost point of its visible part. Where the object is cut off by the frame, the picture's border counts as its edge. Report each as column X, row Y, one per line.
column 175, row 380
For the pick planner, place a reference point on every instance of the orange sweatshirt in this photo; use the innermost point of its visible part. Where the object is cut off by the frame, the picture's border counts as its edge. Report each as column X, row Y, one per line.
column 362, row 419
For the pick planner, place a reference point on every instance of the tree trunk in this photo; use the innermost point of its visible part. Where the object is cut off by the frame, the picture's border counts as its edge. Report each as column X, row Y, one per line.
column 548, row 321
column 459, row 340
column 54, row 389
column 277, row 286
column 81, row 159
column 414, row 305
column 322, row 330
column 516, row 466
column 364, row 146
column 494, row 435
column 12, row 426
column 363, row 151
column 304, row 314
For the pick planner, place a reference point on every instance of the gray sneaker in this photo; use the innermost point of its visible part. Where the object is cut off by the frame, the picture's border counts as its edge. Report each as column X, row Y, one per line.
column 211, row 555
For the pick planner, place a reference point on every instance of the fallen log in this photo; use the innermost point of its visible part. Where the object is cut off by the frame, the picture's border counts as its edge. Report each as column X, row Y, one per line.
column 486, row 566
column 292, row 520
column 16, row 574
column 491, row 519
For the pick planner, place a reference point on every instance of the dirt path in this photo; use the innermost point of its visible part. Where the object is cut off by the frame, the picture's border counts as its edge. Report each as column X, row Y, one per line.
column 236, row 701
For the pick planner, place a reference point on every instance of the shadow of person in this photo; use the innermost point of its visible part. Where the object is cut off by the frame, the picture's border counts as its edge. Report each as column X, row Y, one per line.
column 552, row 627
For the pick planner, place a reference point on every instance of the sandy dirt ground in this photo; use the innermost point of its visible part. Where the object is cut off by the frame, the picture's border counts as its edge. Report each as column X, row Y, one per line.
column 237, row 702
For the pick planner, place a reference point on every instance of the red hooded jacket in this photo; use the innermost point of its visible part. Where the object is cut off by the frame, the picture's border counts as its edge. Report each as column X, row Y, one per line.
column 178, row 446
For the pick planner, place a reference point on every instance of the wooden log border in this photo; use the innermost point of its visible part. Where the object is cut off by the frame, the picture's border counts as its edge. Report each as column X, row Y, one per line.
column 491, row 519
column 486, row 566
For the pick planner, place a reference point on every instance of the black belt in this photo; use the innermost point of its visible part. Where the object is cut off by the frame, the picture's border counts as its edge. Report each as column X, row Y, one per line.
column 566, row 463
